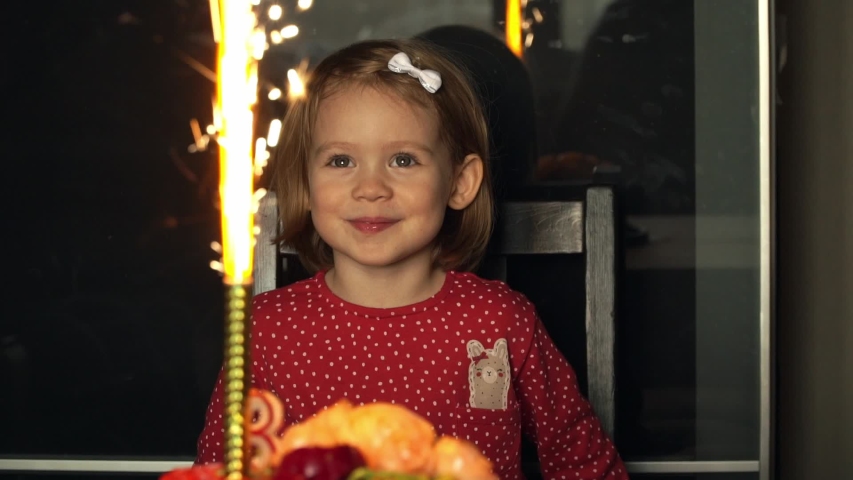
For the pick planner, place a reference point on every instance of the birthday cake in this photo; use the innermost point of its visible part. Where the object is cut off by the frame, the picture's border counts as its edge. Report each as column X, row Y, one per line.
column 377, row 441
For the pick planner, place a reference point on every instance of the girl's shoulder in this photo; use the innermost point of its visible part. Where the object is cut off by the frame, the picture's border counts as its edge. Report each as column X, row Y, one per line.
column 486, row 293
column 290, row 297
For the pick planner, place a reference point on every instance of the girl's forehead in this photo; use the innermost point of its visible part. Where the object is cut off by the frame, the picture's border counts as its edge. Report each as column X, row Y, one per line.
column 362, row 110
column 400, row 98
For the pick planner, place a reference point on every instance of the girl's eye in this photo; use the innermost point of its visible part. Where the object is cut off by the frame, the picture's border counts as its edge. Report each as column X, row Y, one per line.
column 403, row 160
column 340, row 161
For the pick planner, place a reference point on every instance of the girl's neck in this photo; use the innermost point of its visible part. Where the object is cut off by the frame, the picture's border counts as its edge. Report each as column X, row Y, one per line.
column 384, row 287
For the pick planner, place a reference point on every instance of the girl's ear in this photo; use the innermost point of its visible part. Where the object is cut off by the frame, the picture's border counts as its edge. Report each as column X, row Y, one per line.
column 466, row 183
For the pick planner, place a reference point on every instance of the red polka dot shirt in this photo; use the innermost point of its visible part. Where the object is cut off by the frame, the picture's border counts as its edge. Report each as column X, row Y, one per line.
column 474, row 359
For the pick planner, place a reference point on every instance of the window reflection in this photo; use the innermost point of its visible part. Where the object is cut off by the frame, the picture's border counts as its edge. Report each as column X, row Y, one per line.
column 99, row 476
column 703, row 476
column 113, row 341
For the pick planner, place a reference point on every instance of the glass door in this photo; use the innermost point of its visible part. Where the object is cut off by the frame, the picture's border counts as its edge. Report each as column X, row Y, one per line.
column 112, row 346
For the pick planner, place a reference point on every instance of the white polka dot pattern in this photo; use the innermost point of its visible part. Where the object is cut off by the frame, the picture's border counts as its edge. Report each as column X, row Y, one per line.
column 311, row 349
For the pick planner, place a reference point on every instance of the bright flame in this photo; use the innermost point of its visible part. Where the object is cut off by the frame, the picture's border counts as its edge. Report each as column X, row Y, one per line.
column 276, row 37
column 297, row 87
column 513, row 27
column 289, row 31
column 304, row 4
column 235, row 94
column 274, row 94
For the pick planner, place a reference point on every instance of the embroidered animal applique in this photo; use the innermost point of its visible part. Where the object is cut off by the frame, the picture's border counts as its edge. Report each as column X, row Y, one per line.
column 488, row 375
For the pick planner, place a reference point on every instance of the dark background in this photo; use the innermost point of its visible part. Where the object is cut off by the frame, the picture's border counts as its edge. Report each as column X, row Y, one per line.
column 109, row 339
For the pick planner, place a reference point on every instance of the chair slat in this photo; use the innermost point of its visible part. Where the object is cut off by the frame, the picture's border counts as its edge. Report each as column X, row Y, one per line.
column 540, row 228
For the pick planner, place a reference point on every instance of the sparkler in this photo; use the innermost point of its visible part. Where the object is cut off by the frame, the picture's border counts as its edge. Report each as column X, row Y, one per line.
column 513, row 27
column 241, row 43
column 518, row 30
column 235, row 29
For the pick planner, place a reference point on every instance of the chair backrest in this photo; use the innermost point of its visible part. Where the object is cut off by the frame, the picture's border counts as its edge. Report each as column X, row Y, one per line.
column 585, row 227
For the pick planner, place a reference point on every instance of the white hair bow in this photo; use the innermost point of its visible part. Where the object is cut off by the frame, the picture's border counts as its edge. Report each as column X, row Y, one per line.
column 430, row 79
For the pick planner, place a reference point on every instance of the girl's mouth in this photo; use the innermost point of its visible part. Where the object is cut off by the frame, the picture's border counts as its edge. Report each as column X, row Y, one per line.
column 372, row 224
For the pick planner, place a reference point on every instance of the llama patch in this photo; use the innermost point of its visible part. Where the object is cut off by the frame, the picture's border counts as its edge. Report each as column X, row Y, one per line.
column 488, row 375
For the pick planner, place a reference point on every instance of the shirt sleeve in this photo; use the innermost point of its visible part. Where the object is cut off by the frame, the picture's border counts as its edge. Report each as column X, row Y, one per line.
column 210, row 445
column 568, row 435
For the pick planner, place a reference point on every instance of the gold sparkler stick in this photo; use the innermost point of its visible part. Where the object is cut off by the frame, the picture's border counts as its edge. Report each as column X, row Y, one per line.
column 240, row 45
column 237, row 314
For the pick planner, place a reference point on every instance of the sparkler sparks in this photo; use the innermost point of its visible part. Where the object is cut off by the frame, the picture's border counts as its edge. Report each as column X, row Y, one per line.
column 258, row 41
column 275, row 12
column 242, row 42
column 289, row 31
column 274, row 133
column 537, row 15
column 296, row 85
column 262, row 156
column 216, row 20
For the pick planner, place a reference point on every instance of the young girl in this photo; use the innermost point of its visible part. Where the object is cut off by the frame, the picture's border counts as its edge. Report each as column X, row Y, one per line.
column 383, row 184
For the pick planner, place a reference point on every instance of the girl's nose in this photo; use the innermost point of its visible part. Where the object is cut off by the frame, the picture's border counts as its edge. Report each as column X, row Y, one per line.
column 371, row 185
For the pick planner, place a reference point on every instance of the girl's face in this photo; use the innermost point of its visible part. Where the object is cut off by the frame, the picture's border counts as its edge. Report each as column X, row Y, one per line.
column 379, row 179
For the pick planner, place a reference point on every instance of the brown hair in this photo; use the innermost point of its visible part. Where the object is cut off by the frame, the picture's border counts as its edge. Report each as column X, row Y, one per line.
column 464, row 235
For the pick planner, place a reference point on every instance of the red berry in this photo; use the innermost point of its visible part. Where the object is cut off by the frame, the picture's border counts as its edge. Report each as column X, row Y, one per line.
column 318, row 463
